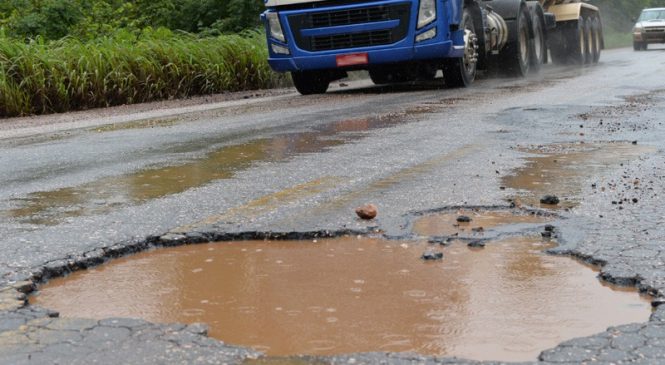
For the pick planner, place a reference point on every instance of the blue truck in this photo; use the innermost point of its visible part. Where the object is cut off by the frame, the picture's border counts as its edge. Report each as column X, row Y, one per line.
column 319, row 41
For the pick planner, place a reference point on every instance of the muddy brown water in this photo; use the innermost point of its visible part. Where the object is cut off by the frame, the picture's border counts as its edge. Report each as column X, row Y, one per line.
column 446, row 224
column 563, row 169
column 507, row 302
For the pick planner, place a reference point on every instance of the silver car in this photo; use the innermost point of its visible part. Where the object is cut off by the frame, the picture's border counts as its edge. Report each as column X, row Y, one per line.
column 649, row 28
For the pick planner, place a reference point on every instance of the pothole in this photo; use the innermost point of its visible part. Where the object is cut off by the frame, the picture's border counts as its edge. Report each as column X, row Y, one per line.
column 352, row 294
column 479, row 222
column 562, row 170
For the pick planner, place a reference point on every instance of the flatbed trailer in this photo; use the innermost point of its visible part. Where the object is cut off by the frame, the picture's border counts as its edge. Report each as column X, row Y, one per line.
column 319, row 41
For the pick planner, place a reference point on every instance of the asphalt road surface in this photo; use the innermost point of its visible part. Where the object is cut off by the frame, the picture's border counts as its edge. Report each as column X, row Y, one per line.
column 80, row 188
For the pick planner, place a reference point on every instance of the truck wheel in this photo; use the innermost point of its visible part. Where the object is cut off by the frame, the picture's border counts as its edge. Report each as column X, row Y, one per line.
column 538, row 44
column 576, row 43
column 588, row 41
column 311, row 82
column 597, row 39
column 380, row 77
column 637, row 46
column 460, row 72
column 515, row 58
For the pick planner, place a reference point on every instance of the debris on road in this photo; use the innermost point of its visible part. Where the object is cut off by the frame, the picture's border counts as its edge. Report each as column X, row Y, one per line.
column 550, row 200
column 367, row 211
column 432, row 256
column 464, row 219
column 477, row 244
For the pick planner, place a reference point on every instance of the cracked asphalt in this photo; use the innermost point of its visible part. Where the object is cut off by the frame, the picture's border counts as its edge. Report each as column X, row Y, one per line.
column 77, row 190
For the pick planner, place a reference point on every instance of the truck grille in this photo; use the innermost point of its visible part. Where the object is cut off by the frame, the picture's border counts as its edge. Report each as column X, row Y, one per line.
column 370, row 14
column 341, row 41
column 353, row 16
column 655, row 30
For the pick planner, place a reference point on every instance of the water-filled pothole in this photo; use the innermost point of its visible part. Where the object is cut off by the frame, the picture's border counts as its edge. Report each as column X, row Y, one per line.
column 562, row 169
column 479, row 222
column 352, row 294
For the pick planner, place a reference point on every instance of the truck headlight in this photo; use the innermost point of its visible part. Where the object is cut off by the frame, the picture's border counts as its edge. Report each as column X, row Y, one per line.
column 275, row 27
column 426, row 12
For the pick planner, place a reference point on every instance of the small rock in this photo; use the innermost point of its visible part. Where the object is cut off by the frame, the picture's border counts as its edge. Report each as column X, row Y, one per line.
column 657, row 302
column 635, row 200
column 432, row 256
column 634, row 142
column 478, row 229
column 549, row 228
column 368, row 211
column 546, row 234
column 464, row 219
column 477, row 244
column 550, row 200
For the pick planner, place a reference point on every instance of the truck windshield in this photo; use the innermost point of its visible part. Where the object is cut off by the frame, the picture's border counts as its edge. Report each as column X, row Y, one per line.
column 652, row 15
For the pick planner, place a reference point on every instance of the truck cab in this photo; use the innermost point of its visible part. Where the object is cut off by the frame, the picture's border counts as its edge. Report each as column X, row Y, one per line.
column 319, row 41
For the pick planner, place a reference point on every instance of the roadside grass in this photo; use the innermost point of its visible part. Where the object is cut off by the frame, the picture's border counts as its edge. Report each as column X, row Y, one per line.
column 49, row 77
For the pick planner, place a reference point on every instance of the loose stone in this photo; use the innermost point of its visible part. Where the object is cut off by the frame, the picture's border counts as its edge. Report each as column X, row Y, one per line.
column 368, row 211
column 464, row 219
column 476, row 244
column 550, row 200
column 432, row 256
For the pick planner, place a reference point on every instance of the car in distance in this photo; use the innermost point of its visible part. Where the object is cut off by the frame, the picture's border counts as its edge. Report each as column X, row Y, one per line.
column 649, row 28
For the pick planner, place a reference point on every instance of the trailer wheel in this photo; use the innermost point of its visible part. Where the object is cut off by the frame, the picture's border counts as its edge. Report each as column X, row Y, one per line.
column 515, row 58
column 576, row 42
column 538, row 44
column 311, row 82
column 597, row 39
column 588, row 41
column 460, row 72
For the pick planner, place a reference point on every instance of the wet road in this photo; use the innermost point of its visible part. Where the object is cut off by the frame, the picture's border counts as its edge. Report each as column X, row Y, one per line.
column 75, row 192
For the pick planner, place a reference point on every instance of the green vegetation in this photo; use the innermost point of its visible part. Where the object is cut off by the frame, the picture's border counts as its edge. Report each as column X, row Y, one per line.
column 57, row 76
column 89, row 19
column 61, row 55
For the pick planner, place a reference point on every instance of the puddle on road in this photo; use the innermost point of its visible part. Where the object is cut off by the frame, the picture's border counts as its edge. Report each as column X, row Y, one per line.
column 507, row 302
column 52, row 207
column 563, row 170
column 446, row 224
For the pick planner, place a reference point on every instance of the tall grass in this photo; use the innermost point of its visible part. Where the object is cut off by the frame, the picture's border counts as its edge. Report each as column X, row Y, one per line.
column 46, row 77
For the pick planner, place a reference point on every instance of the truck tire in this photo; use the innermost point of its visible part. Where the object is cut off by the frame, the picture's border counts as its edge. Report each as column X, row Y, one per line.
column 311, row 82
column 381, row 77
column 461, row 72
column 588, row 41
column 637, row 46
column 515, row 58
column 576, row 42
column 597, row 39
column 539, row 42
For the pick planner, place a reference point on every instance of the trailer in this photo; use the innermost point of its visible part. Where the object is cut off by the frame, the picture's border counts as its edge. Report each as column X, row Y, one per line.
column 319, row 41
